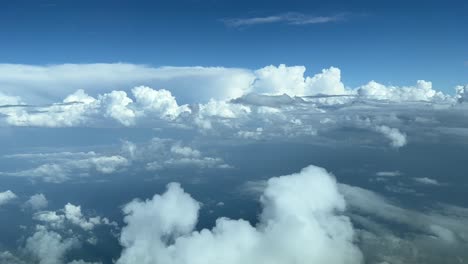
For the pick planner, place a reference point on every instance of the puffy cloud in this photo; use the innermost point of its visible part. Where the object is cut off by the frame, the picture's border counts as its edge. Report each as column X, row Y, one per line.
column 6, row 197
column 301, row 222
column 79, row 109
column 70, row 215
column 185, row 151
column 422, row 91
column 280, row 80
column 222, row 109
column 49, row 247
column 219, row 112
column 37, row 202
column 327, row 82
column 116, row 105
column 291, row 81
column 160, row 102
column 397, row 138
column 106, row 164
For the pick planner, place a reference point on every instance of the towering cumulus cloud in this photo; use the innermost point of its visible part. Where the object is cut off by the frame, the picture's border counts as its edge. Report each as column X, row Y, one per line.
column 301, row 222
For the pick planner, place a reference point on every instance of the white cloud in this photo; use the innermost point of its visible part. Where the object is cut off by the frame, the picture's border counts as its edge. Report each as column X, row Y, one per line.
column 422, row 91
column 280, row 80
column 70, row 215
column 6, row 197
column 37, row 202
column 291, row 18
column 43, row 84
column 301, row 222
column 116, row 105
column 60, row 166
column 160, row 102
column 158, row 154
column 326, row 82
column 185, row 151
column 79, row 108
column 223, row 109
column 425, row 180
column 397, row 138
column 291, row 81
column 49, row 247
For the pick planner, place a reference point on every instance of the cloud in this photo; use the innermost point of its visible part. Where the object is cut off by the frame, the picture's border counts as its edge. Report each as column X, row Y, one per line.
column 301, row 222
column 159, row 101
column 462, row 93
column 291, row 18
column 6, row 257
column 70, row 215
column 37, row 202
column 155, row 154
column 388, row 173
column 397, row 138
column 49, row 247
column 435, row 235
column 9, row 100
column 425, row 180
column 6, row 197
column 44, row 84
column 159, row 154
column 447, row 225
column 422, row 91
column 59, row 167
column 79, row 108
column 291, row 81
column 34, row 84
column 278, row 102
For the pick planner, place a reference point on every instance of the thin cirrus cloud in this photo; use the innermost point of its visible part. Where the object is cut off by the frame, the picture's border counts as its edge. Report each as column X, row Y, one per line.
column 291, row 18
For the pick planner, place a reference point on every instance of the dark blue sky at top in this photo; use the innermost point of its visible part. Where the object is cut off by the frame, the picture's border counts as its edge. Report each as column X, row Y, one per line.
column 393, row 42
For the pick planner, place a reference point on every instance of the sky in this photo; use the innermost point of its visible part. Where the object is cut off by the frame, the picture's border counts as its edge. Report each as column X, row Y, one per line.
column 207, row 132
column 395, row 42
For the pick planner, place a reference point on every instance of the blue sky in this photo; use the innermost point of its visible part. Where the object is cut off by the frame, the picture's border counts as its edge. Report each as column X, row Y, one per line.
column 393, row 42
